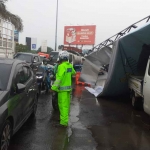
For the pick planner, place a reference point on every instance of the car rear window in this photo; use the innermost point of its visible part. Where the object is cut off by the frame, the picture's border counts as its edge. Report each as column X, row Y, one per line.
column 24, row 57
column 41, row 58
column 54, row 55
column 4, row 77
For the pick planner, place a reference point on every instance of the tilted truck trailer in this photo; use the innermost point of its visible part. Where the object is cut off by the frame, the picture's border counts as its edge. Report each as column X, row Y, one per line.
column 140, row 90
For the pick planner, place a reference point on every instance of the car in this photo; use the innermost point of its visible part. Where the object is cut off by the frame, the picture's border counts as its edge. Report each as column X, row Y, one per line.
column 18, row 97
column 33, row 60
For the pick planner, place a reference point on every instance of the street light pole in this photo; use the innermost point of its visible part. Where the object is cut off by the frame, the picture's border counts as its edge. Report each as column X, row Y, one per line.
column 56, row 26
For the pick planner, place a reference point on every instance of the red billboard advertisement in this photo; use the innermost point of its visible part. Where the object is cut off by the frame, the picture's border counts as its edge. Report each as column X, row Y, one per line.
column 79, row 35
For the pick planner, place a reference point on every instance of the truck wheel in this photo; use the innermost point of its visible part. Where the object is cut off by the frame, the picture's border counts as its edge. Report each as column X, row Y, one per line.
column 137, row 102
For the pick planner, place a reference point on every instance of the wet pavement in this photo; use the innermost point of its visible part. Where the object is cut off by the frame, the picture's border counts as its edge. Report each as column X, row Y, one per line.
column 95, row 124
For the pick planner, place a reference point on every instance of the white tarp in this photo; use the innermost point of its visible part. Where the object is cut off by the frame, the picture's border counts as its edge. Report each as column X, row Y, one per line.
column 95, row 91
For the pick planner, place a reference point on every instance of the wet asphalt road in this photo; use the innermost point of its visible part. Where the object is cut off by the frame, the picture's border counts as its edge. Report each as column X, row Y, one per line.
column 103, row 124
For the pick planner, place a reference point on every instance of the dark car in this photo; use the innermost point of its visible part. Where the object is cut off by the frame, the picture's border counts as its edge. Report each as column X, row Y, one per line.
column 33, row 60
column 18, row 97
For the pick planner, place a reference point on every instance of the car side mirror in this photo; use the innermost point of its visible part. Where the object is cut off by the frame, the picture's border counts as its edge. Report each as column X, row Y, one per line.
column 20, row 88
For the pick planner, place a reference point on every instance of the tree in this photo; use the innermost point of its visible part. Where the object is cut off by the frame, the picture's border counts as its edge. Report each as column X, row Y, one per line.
column 6, row 15
column 49, row 49
column 21, row 48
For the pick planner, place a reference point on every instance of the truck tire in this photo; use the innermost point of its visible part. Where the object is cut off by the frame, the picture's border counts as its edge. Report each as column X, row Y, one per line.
column 137, row 102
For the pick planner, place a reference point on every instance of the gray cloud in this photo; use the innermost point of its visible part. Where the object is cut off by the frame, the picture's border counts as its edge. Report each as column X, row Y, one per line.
column 109, row 16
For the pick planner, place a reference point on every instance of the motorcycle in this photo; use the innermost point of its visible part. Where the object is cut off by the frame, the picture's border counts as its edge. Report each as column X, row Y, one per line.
column 54, row 94
column 42, row 86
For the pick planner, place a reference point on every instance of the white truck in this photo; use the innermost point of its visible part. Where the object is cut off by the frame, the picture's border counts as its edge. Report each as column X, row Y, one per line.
column 140, row 90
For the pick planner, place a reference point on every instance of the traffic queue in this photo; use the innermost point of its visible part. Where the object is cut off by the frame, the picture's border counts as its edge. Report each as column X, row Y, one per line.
column 22, row 80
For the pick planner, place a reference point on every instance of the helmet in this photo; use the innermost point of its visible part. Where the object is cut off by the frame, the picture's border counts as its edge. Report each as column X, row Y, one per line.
column 63, row 55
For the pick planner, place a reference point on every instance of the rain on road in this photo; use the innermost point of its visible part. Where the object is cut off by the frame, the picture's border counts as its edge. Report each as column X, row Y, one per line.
column 95, row 124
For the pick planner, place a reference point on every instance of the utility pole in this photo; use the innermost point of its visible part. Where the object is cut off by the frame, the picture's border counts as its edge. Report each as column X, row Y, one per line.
column 56, row 26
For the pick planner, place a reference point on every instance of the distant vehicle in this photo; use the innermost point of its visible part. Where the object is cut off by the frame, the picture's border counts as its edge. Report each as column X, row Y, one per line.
column 33, row 60
column 140, row 93
column 44, row 55
column 18, row 97
column 53, row 57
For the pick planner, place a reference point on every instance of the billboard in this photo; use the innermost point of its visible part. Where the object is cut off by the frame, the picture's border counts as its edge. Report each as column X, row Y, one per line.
column 31, row 43
column 16, row 36
column 28, row 42
column 44, row 46
column 79, row 35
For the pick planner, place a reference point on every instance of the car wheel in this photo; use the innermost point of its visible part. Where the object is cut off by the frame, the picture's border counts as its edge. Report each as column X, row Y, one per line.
column 6, row 135
column 35, row 106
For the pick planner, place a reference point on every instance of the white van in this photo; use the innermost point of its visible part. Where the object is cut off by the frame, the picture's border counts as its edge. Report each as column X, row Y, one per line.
column 140, row 90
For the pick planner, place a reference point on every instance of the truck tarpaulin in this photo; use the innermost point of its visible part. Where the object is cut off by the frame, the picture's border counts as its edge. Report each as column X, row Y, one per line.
column 123, row 60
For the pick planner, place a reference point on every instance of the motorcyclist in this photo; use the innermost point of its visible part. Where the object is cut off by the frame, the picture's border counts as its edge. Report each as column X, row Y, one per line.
column 49, row 75
column 44, row 67
column 56, row 66
column 62, row 85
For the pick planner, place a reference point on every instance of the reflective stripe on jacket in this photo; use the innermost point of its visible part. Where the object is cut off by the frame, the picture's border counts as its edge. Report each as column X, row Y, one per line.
column 64, row 77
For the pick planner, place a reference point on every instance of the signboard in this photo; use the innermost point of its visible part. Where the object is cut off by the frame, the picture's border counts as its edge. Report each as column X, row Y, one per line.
column 33, row 43
column 34, row 46
column 16, row 36
column 79, row 35
column 44, row 46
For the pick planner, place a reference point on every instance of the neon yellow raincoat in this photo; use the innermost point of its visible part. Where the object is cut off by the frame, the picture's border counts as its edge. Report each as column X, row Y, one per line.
column 63, row 85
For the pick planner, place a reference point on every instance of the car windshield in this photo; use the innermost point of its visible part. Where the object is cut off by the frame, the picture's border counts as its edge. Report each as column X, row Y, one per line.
column 6, row 69
column 54, row 55
column 27, row 58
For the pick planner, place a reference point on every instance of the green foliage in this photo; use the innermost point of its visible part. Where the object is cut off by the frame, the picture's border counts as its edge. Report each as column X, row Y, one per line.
column 24, row 48
column 49, row 49
column 6, row 15
column 21, row 48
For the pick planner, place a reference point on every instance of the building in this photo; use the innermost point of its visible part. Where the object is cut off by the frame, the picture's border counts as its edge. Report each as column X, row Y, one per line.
column 6, row 39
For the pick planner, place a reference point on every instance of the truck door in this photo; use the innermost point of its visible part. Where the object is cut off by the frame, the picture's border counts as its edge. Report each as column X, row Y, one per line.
column 146, row 89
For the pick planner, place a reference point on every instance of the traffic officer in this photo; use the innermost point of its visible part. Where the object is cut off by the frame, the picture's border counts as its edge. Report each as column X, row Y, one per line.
column 63, row 85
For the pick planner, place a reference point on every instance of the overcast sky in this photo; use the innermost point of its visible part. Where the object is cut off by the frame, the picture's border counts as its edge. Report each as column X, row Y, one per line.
column 109, row 16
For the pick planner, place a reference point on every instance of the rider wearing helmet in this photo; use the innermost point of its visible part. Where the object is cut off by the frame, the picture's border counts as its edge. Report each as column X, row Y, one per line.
column 56, row 66
column 62, row 85
column 49, row 73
